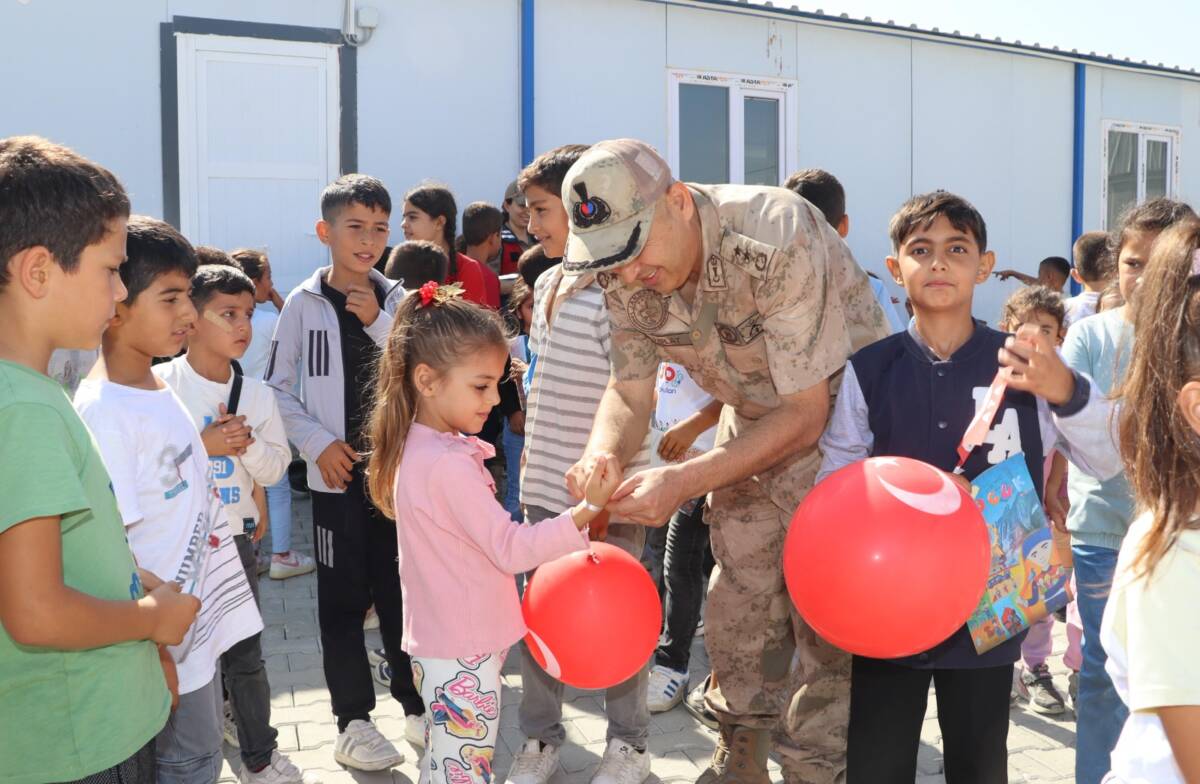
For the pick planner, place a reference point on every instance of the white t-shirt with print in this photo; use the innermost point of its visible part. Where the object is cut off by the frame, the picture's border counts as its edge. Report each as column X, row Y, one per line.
column 266, row 460
column 1151, row 632
column 678, row 398
column 173, row 516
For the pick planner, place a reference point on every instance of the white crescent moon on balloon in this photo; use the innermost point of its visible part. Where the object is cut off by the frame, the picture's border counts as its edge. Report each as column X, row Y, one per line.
column 552, row 667
column 945, row 501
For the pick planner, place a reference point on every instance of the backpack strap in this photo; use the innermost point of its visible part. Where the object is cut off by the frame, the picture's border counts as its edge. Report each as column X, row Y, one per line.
column 235, row 392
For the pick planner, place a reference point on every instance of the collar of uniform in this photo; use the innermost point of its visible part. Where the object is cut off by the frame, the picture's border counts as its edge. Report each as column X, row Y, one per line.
column 710, row 233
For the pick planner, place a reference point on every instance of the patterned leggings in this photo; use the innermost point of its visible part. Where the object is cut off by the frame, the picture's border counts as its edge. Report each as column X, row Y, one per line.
column 463, row 696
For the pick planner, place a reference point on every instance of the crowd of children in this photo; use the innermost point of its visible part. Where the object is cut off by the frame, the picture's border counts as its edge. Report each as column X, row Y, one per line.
column 128, row 565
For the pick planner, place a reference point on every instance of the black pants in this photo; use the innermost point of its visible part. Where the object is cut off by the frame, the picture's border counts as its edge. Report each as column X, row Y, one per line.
column 356, row 567
column 681, row 585
column 887, row 708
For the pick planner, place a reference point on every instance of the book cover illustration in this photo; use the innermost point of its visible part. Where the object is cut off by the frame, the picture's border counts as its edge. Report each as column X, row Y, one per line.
column 1027, row 580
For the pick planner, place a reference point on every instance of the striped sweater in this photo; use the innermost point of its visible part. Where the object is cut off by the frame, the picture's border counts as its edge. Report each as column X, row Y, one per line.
column 569, row 379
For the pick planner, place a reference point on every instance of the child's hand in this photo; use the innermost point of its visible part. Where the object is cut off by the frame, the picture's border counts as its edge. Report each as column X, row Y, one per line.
column 170, row 674
column 517, row 370
column 149, row 579
column 1057, row 513
column 516, row 423
column 227, row 435
column 677, row 441
column 1034, row 366
column 173, row 613
column 362, row 302
column 337, row 464
column 603, row 481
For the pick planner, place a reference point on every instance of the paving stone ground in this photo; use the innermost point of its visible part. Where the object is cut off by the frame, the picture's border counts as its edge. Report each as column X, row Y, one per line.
column 1041, row 748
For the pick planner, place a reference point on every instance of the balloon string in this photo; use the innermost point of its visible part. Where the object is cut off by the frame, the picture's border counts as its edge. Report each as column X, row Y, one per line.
column 977, row 431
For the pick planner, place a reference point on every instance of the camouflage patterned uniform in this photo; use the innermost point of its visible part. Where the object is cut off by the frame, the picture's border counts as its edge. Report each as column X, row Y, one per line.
column 779, row 306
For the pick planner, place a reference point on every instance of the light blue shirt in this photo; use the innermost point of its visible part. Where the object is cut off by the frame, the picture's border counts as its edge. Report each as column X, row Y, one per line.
column 895, row 323
column 1099, row 346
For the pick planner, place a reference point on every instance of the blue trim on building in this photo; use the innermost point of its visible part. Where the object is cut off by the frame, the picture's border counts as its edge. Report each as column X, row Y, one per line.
column 1077, row 157
column 527, row 79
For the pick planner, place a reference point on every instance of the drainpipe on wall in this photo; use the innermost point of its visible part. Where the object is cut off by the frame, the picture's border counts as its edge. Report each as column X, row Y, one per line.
column 1077, row 159
column 526, row 79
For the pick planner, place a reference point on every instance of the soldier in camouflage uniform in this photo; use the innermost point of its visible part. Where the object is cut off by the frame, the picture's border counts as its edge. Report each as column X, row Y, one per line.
column 752, row 291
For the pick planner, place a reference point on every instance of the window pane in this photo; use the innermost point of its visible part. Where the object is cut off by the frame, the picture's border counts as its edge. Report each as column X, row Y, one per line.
column 1122, row 174
column 762, row 141
column 703, row 133
column 1156, row 168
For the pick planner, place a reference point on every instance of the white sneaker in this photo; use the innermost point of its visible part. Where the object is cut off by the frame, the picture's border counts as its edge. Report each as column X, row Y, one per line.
column 229, row 727
column 280, row 770
column 362, row 747
column 371, row 621
column 534, row 764
column 382, row 673
column 666, row 689
column 622, row 764
column 414, row 730
column 375, row 655
column 290, row 564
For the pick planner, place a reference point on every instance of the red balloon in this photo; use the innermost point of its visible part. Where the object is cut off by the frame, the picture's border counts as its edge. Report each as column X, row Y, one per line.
column 593, row 617
column 887, row 557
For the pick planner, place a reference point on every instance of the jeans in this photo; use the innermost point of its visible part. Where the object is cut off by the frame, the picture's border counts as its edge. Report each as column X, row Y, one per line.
column 682, row 585
column 279, row 507
column 189, row 746
column 1100, row 712
column 246, row 680
column 513, row 446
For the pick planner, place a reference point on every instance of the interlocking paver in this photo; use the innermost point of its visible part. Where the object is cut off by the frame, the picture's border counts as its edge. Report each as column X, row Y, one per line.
column 1041, row 748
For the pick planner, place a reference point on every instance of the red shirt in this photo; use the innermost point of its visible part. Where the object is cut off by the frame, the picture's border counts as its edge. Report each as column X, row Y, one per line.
column 475, row 288
column 492, row 281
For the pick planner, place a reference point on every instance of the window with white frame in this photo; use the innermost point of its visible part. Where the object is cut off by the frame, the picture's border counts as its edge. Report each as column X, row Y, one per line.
column 730, row 128
column 1141, row 162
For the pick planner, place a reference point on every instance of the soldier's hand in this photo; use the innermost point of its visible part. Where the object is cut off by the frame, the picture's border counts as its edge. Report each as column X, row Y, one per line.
column 648, row 498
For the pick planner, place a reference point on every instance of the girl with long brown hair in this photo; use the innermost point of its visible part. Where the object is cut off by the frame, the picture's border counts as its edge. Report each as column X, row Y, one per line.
column 1151, row 631
column 458, row 547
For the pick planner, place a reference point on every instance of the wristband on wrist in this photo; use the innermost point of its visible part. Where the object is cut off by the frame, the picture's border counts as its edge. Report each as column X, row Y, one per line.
column 588, row 505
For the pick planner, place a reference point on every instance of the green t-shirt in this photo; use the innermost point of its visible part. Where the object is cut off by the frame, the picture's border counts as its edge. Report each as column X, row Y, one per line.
column 67, row 714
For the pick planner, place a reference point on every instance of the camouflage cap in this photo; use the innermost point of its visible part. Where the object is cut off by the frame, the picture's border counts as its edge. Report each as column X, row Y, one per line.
column 610, row 195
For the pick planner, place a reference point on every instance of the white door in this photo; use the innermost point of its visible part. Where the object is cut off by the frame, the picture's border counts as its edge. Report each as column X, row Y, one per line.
column 258, row 140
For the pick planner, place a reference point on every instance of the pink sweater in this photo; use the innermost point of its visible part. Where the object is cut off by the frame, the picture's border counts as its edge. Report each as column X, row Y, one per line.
column 459, row 549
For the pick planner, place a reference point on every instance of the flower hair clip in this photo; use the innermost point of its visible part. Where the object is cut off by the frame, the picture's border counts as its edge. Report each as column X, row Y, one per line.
column 433, row 293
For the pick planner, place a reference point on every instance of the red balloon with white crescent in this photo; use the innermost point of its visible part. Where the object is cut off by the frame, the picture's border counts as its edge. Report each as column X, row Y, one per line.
column 886, row 557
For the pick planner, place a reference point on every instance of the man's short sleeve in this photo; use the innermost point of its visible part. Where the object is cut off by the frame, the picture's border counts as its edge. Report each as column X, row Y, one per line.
column 632, row 356
column 1163, row 631
column 803, row 320
column 40, row 465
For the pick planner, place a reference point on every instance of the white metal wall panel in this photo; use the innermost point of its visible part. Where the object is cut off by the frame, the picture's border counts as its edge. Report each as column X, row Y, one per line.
column 582, row 95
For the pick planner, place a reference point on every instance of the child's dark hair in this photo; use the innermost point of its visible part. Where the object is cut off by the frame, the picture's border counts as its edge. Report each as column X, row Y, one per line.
column 53, row 197
column 354, row 189
column 823, row 190
column 1152, row 216
column 1058, row 264
column 253, row 262
column 437, row 201
column 548, row 170
column 1161, row 451
column 1092, row 260
column 153, row 248
column 208, row 255
column 480, row 221
column 533, row 262
column 521, row 291
column 922, row 210
column 213, row 279
column 416, row 262
column 1027, row 301
column 438, row 335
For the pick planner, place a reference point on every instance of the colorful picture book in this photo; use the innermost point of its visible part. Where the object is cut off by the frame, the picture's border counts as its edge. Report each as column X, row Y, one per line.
column 1026, row 581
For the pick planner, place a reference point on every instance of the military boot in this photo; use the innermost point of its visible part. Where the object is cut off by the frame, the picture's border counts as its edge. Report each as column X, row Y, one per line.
column 740, row 757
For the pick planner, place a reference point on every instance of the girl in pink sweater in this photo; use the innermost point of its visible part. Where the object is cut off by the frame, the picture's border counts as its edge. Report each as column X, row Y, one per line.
column 459, row 548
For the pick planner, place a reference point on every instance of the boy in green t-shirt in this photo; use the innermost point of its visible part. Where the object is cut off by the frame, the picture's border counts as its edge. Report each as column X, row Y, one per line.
column 82, row 692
